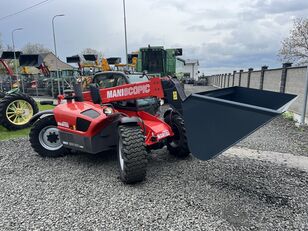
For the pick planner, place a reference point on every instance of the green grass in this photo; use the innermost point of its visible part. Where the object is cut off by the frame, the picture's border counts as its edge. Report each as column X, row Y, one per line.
column 6, row 134
column 288, row 115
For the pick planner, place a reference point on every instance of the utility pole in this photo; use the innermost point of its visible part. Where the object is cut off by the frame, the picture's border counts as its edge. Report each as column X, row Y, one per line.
column 15, row 61
column 55, row 47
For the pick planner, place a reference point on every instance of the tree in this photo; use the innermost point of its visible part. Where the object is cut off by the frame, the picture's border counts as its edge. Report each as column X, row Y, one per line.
column 295, row 47
column 35, row 48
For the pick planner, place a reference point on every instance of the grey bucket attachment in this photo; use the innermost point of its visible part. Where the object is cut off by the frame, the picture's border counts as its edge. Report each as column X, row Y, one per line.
column 31, row 60
column 73, row 59
column 114, row 60
column 10, row 54
column 216, row 120
column 90, row 57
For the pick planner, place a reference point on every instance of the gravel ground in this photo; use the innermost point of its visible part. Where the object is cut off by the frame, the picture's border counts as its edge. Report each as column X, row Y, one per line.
column 280, row 135
column 83, row 192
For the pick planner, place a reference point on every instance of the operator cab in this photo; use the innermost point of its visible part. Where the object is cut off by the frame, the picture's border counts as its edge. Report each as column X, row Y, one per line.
column 113, row 79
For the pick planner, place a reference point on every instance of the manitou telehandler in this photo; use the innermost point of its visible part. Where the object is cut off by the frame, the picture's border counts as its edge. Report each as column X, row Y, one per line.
column 116, row 113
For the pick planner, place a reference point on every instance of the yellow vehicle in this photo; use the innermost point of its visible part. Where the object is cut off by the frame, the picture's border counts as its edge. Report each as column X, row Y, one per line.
column 91, row 65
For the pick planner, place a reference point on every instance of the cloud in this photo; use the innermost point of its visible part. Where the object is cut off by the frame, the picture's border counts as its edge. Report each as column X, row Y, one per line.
column 280, row 6
column 221, row 34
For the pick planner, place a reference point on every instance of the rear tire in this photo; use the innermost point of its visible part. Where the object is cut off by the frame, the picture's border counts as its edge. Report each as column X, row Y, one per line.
column 45, row 139
column 131, row 154
column 177, row 145
column 16, row 110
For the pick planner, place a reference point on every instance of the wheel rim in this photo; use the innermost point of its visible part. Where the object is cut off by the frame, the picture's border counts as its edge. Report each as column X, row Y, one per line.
column 49, row 138
column 121, row 160
column 19, row 112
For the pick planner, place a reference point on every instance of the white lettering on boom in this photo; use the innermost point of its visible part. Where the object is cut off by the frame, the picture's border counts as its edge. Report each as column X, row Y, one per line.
column 141, row 89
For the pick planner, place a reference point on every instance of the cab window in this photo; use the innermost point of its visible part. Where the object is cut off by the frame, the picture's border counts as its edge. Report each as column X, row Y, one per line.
column 109, row 80
column 120, row 79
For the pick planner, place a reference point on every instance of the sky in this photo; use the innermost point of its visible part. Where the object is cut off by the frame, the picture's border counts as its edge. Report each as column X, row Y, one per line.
column 223, row 35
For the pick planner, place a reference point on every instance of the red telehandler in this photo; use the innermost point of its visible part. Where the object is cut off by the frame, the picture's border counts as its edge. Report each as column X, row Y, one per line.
column 113, row 115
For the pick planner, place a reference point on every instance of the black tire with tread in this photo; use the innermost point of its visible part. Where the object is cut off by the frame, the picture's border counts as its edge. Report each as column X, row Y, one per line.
column 34, row 138
column 181, row 149
column 4, row 103
column 133, row 153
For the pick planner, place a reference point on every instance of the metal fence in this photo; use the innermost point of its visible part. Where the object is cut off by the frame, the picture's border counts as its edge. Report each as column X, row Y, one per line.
column 286, row 79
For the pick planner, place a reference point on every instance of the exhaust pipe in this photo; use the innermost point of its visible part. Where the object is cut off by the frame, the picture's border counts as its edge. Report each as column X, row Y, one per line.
column 216, row 120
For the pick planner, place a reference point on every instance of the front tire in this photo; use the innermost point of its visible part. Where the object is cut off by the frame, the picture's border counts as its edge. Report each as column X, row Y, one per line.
column 16, row 110
column 45, row 138
column 131, row 154
column 177, row 145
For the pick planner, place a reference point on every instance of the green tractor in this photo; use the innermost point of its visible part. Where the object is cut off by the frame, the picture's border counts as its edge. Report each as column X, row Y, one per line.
column 156, row 60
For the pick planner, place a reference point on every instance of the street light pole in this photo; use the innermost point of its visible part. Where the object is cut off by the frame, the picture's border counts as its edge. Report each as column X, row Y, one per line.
column 125, row 34
column 15, row 61
column 55, row 47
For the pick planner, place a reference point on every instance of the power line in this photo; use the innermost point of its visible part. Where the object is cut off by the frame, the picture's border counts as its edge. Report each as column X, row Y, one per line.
column 23, row 10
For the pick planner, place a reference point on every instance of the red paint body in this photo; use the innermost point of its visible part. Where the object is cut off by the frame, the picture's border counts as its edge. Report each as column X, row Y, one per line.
column 7, row 68
column 66, row 113
column 151, row 88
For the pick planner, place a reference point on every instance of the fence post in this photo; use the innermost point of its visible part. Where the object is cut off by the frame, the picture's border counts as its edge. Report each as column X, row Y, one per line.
column 234, row 72
column 249, row 76
column 229, row 76
column 225, row 80
column 221, row 80
column 262, row 76
column 240, row 78
column 284, row 76
column 305, row 100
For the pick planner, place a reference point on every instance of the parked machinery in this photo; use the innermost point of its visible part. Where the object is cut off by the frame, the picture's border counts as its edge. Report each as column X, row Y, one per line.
column 156, row 60
column 115, row 114
column 8, row 81
column 16, row 109
column 46, row 83
column 91, row 66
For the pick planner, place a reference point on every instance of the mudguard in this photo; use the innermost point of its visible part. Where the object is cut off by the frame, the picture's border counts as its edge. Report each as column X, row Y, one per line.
column 40, row 114
column 216, row 120
column 130, row 120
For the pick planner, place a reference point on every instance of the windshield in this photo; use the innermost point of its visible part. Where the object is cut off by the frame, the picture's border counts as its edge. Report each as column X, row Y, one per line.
column 137, row 78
